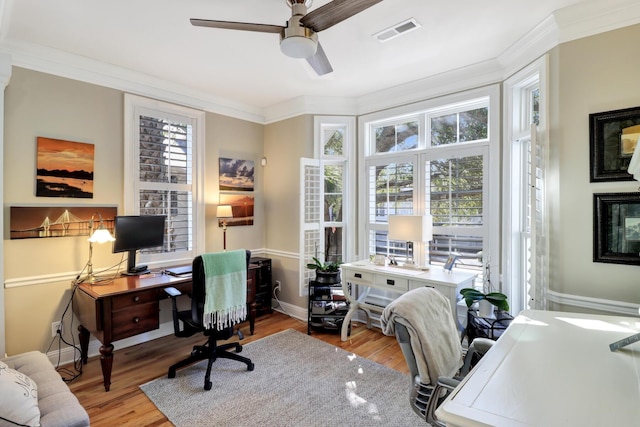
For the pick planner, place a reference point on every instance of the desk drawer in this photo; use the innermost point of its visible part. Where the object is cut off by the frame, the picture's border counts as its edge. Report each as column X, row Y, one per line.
column 394, row 283
column 357, row 277
column 132, row 299
column 135, row 320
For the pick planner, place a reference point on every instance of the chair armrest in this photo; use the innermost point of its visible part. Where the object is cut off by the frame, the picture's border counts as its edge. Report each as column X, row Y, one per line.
column 448, row 383
column 482, row 345
column 172, row 292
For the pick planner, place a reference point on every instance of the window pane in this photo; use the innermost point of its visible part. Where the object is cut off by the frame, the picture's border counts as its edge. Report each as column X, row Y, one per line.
column 391, row 191
column 333, row 178
column 535, row 107
column 165, row 151
column 474, row 125
column 379, row 244
column 466, row 126
column 444, row 129
column 398, row 137
column 333, row 142
column 455, row 191
column 176, row 206
column 333, row 244
column 467, row 248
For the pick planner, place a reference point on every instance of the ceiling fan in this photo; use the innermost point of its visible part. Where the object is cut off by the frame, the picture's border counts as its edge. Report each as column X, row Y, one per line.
column 299, row 39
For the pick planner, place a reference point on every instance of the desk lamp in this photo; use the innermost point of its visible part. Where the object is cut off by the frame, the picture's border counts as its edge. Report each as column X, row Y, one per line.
column 223, row 212
column 410, row 228
column 99, row 235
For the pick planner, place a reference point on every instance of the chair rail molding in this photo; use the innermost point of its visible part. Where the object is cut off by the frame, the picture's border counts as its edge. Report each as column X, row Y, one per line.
column 608, row 306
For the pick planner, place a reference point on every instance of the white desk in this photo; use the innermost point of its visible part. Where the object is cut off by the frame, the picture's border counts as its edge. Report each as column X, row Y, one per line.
column 553, row 369
column 367, row 275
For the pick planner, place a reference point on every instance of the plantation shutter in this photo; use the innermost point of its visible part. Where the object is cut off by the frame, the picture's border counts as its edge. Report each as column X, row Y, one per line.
column 537, row 262
column 165, row 177
column 310, row 219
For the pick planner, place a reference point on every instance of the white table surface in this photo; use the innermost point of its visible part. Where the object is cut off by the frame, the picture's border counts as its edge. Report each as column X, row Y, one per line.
column 553, row 369
column 367, row 276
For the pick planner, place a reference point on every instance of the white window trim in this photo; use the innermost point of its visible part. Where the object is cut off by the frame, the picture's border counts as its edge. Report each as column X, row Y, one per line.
column 133, row 106
column 515, row 129
column 321, row 123
column 492, row 211
column 348, row 123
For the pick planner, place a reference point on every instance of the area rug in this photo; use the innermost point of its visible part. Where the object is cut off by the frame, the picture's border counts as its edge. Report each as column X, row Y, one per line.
column 298, row 381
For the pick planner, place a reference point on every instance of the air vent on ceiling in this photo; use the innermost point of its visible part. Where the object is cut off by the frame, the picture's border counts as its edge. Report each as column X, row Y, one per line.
column 397, row 30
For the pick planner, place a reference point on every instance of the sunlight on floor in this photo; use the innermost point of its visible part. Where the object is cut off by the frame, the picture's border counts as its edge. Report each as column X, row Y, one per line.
column 356, row 401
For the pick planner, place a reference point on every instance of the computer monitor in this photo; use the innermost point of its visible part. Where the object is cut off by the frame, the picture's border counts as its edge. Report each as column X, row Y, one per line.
column 134, row 232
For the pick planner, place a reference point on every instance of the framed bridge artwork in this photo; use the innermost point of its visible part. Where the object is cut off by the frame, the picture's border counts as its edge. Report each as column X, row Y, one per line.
column 29, row 222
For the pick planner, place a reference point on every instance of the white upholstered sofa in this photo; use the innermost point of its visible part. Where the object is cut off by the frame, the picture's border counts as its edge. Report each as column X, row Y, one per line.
column 49, row 403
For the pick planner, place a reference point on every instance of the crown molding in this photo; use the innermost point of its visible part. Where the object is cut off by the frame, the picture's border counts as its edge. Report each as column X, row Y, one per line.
column 588, row 19
column 300, row 105
column 62, row 64
column 571, row 23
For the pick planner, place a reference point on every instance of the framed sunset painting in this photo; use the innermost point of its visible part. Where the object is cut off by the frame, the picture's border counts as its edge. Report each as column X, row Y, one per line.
column 64, row 168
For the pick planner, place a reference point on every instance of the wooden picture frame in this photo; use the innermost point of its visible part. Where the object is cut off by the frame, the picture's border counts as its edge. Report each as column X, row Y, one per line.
column 616, row 228
column 613, row 136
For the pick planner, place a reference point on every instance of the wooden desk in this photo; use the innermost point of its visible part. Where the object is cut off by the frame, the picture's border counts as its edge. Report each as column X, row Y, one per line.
column 367, row 276
column 552, row 369
column 128, row 306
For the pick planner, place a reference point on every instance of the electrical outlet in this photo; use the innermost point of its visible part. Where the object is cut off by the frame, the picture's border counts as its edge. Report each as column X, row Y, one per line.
column 55, row 327
column 277, row 286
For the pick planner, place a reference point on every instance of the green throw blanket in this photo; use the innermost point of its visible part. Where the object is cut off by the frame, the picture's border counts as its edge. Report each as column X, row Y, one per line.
column 225, row 282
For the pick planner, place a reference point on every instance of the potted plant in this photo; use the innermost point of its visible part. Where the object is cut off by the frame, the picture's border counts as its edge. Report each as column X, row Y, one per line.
column 328, row 272
column 485, row 301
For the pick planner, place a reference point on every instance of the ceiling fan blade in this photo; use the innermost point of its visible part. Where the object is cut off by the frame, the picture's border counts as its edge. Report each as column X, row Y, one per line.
column 332, row 13
column 319, row 62
column 229, row 25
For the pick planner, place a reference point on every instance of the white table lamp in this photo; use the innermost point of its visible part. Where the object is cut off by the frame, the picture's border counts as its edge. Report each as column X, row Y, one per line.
column 411, row 228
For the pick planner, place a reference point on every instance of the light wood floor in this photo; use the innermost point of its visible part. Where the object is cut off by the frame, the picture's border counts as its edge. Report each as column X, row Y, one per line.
column 126, row 405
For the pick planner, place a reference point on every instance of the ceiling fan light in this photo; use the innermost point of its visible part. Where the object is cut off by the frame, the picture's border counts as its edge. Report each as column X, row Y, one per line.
column 298, row 47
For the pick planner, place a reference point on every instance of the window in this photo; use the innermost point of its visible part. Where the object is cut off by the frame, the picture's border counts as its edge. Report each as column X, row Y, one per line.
column 435, row 158
column 525, row 253
column 326, row 205
column 163, row 146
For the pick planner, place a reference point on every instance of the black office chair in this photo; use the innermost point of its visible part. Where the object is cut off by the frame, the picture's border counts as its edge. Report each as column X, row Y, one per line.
column 422, row 322
column 193, row 322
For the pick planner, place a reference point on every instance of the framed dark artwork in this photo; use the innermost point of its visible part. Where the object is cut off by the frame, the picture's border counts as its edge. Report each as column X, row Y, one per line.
column 29, row 222
column 616, row 228
column 613, row 136
column 236, row 174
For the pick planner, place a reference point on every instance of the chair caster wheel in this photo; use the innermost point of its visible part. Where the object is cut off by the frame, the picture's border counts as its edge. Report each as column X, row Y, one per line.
column 171, row 374
column 238, row 348
column 250, row 367
column 207, row 385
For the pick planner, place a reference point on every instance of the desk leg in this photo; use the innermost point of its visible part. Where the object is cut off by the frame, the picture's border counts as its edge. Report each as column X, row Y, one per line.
column 252, row 317
column 83, row 337
column 106, row 360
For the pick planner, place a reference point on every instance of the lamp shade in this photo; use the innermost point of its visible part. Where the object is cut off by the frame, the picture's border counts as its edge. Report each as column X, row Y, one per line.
column 224, row 211
column 411, row 228
column 101, row 235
